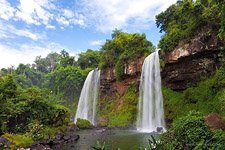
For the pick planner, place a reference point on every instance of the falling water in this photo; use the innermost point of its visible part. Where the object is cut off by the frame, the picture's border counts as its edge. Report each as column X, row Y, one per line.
column 150, row 108
column 88, row 99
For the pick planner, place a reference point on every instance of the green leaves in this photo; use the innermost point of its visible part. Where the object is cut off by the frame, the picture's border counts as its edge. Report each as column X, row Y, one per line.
column 88, row 59
column 124, row 46
column 187, row 18
column 190, row 132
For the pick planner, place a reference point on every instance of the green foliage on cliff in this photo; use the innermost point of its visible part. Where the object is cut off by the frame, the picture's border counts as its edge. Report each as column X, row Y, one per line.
column 89, row 59
column 123, row 47
column 187, row 18
column 206, row 97
column 190, row 132
column 120, row 111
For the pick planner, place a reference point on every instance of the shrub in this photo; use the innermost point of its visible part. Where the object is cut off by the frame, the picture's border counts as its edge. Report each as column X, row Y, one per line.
column 83, row 123
column 190, row 132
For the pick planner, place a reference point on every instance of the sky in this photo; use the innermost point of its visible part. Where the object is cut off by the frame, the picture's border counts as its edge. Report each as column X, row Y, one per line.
column 30, row 28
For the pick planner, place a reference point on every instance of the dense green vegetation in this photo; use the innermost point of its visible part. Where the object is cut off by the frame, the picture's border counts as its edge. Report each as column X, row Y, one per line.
column 123, row 47
column 190, row 132
column 28, row 114
column 37, row 100
column 206, row 97
column 187, row 18
column 120, row 111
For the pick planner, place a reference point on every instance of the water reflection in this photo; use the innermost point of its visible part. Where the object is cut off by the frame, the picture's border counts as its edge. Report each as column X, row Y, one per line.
column 114, row 139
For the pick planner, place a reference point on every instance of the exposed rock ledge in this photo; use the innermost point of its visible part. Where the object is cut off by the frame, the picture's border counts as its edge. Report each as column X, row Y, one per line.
column 131, row 74
column 189, row 62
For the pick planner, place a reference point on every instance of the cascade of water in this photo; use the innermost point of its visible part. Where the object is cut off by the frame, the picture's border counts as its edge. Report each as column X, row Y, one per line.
column 88, row 98
column 150, row 107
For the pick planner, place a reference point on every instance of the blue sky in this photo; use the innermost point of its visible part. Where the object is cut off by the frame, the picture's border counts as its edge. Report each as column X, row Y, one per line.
column 30, row 28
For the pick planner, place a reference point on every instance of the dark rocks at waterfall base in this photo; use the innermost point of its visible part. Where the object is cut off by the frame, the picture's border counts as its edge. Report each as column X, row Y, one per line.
column 4, row 142
column 68, row 136
column 60, row 139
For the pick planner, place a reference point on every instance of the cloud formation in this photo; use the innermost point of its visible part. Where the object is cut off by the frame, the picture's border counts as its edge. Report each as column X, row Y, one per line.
column 106, row 15
column 25, row 53
column 9, row 31
column 27, row 26
column 40, row 12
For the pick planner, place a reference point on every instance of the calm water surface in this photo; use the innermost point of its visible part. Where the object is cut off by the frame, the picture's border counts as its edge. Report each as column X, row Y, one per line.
column 114, row 139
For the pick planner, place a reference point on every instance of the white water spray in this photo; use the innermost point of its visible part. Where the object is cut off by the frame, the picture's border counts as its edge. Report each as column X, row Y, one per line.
column 150, row 107
column 88, row 98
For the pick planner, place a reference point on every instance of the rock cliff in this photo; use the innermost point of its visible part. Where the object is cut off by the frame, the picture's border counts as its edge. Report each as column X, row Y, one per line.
column 191, row 61
column 131, row 75
column 184, row 66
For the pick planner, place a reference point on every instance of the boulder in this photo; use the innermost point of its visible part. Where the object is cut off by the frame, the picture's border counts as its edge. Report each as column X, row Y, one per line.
column 214, row 121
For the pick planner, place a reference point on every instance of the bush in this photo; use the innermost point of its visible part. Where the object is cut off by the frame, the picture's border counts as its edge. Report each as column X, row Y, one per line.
column 83, row 123
column 119, row 70
column 190, row 132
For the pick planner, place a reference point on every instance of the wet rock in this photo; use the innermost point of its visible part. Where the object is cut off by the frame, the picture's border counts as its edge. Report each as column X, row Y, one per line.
column 100, row 130
column 4, row 142
column 59, row 136
column 60, row 139
column 159, row 129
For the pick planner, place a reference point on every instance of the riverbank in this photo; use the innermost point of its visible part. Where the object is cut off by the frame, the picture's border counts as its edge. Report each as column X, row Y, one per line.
column 67, row 136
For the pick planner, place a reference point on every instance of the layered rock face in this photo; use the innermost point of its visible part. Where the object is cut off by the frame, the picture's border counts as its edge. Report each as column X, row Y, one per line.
column 189, row 62
column 184, row 66
column 131, row 74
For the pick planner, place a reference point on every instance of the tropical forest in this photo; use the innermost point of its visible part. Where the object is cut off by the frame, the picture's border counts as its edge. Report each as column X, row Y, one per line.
column 130, row 93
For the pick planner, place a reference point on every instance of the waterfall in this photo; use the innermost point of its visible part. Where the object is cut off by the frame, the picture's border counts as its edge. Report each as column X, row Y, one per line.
column 150, row 107
column 88, row 98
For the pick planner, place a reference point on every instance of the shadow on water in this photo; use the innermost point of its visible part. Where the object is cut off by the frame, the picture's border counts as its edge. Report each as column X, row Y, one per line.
column 114, row 139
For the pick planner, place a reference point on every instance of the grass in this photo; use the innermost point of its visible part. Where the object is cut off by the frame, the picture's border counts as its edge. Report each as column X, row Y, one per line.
column 18, row 140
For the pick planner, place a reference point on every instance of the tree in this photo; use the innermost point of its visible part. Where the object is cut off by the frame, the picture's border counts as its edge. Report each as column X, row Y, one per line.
column 68, row 81
column 66, row 59
column 187, row 18
column 124, row 46
column 48, row 63
column 88, row 59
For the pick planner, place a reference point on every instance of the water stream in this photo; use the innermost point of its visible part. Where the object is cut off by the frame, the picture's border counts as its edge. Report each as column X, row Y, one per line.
column 150, row 107
column 88, row 99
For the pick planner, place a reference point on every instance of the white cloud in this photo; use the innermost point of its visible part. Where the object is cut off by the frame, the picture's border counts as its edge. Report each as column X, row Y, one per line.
column 25, row 53
column 69, row 17
column 6, row 10
column 50, row 26
column 43, row 12
column 34, row 11
column 9, row 31
column 97, row 42
column 107, row 15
